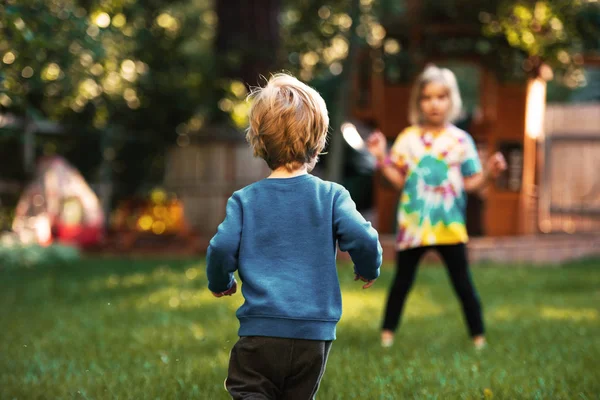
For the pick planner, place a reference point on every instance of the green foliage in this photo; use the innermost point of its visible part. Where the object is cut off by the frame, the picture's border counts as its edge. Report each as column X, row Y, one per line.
column 171, row 48
column 554, row 32
column 135, row 74
column 590, row 93
column 112, row 328
column 146, row 75
column 539, row 28
column 48, row 51
column 140, row 66
column 149, row 68
column 587, row 23
column 517, row 36
column 316, row 35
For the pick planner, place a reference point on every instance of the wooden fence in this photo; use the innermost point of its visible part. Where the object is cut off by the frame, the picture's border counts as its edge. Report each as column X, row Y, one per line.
column 205, row 176
column 569, row 189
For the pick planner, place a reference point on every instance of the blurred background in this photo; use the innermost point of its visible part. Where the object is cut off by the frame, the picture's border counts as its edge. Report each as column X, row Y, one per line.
column 122, row 137
column 121, row 122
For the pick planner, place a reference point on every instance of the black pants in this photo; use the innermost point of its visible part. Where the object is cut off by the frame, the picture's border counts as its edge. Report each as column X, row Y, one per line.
column 457, row 264
column 262, row 368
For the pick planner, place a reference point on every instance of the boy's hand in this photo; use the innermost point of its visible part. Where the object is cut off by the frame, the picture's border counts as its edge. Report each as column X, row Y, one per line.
column 366, row 285
column 228, row 292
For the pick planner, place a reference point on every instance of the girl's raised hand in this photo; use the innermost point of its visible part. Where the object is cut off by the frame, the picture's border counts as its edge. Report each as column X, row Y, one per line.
column 377, row 145
column 495, row 165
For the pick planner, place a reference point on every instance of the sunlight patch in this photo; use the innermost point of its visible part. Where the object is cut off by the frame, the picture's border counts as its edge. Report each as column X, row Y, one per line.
column 137, row 279
column 555, row 313
column 504, row 314
column 173, row 297
column 162, row 274
column 420, row 304
column 359, row 305
column 192, row 273
column 574, row 314
column 197, row 331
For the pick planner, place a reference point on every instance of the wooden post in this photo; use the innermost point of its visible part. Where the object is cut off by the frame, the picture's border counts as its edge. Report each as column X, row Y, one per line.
column 534, row 129
column 505, row 105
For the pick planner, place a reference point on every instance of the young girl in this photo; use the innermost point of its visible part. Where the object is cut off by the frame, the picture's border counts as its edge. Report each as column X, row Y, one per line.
column 433, row 163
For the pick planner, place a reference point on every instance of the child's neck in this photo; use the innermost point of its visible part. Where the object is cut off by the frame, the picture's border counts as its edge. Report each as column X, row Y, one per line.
column 282, row 172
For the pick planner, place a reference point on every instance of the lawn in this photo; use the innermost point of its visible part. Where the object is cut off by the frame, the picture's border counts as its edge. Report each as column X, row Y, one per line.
column 139, row 329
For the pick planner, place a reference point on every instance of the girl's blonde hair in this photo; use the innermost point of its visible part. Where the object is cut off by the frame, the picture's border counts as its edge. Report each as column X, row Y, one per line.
column 438, row 75
column 288, row 123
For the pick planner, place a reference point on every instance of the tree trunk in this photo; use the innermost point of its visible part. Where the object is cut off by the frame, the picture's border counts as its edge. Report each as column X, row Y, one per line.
column 29, row 146
column 335, row 162
column 247, row 41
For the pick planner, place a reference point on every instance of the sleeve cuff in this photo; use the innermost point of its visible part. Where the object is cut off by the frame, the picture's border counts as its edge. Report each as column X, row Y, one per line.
column 229, row 285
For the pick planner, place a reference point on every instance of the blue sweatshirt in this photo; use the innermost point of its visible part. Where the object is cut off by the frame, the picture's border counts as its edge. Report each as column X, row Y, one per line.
column 281, row 235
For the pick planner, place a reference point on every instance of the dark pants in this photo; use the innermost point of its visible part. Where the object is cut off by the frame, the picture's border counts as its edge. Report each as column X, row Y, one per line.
column 457, row 264
column 271, row 368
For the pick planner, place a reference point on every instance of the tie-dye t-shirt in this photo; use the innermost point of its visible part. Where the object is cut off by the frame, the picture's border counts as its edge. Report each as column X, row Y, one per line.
column 433, row 205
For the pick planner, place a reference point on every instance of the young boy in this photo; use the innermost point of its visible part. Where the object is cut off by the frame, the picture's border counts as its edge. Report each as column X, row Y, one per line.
column 281, row 234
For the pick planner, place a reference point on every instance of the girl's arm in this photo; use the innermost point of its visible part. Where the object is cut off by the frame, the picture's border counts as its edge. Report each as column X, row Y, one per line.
column 396, row 177
column 476, row 182
column 391, row 169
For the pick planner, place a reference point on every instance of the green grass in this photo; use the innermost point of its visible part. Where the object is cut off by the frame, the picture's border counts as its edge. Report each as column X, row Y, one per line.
column 119, row 329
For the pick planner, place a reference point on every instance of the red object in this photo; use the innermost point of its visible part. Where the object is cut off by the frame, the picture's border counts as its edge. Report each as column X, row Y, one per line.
column 59, row 206
column 79, row 235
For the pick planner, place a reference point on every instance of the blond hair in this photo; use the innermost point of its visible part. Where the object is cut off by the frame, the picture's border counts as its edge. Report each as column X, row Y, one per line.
column 288, row 123
column 438, row 75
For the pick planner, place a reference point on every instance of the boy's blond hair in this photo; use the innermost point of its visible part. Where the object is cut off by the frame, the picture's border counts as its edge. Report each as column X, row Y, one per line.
column 438, row 75
column 288, row 123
